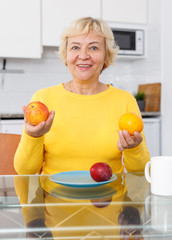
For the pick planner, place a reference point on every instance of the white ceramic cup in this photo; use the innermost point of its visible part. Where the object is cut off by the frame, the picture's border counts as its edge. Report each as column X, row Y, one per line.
column 159, row 211
column 160, row 175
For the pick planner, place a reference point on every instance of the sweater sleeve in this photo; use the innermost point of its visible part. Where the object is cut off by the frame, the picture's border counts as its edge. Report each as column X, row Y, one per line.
column 31, row 196
column 136, row 158
column 29, row 156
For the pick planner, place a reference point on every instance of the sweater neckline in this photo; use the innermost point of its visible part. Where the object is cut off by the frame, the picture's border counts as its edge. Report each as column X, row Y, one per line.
column 87, row 97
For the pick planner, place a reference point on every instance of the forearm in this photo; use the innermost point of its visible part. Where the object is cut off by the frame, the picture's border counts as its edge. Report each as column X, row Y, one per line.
column 29, row 155
column 136, row 158
column 32, row 201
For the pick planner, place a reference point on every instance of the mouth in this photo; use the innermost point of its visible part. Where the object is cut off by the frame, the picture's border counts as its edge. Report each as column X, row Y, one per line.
column 84, row 66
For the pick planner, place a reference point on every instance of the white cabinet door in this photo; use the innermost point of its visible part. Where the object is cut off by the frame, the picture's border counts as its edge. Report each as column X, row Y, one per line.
column 152, row 130
column 57, row 15
column 125, row 11
column 20, row 28
column 12, row 126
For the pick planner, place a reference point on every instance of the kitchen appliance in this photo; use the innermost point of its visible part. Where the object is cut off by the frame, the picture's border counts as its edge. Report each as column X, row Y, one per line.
column 130, row 41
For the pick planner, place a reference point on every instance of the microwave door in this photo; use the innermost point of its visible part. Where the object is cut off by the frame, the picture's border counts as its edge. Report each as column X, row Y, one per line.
column 130, row 42
column 126, row 42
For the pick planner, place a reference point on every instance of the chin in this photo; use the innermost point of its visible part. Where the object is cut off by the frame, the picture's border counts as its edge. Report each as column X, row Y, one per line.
column 87, row 78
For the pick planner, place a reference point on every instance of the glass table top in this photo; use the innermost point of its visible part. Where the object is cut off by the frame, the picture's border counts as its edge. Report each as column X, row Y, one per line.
column 33, row 206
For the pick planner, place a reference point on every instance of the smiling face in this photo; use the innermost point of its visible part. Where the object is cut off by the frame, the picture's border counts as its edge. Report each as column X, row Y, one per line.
column 86, row 56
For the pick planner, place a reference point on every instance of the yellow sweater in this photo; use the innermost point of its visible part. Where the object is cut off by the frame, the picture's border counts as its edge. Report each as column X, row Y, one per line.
column 84, row 131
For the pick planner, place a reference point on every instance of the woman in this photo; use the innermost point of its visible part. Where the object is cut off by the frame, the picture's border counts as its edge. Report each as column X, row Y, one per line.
column 82, row 128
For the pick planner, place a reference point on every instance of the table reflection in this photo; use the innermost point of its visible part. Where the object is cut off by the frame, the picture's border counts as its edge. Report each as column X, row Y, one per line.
column 53, row 211
column 159, row 212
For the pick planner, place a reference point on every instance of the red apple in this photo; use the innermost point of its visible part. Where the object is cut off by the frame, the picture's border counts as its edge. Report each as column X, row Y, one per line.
column 101, row 172
column 36, row 112
column 101, row 203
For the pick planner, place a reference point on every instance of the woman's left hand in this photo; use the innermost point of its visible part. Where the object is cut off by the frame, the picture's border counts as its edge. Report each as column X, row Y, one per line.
column 127, row 141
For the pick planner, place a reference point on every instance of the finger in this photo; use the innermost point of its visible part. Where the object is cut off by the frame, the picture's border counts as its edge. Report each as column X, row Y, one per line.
column 35, row 131
column 51, row 116
column 128, row 138
column 24, row 109
column 50, row 119
column 25, row 120
column 120, row 147
column 35, row 128
column 122, row 139
column 40, row 129
column 138, row 136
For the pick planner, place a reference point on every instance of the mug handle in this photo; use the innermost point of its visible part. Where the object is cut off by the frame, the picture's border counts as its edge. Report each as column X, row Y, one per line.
column 147, row 174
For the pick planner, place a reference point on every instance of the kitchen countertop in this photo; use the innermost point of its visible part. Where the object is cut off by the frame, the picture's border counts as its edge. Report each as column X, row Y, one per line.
column 151, row 114
column 11, row 115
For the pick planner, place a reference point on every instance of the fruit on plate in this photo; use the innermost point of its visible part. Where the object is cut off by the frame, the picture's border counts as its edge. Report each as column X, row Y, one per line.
column 101, row 203
column 36, row 112
column 131, row 122
column 101, row 172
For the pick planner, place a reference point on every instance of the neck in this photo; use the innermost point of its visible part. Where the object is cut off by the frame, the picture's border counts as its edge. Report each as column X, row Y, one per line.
column 85, row 88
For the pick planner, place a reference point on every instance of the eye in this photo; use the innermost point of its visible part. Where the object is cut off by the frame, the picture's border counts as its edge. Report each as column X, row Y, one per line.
column 74, row 47
column 94, row 48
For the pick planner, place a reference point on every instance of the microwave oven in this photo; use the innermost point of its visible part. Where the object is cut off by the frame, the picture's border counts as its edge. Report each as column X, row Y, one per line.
column 130, row 41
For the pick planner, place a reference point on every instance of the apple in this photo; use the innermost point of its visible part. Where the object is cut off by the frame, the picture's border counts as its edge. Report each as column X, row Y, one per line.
column 36, row 112
column 101, row 172
column 101, row 203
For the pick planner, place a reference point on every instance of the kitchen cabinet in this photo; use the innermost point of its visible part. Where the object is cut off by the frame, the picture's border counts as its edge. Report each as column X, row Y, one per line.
column 20, row 28
column 14, row 126
column 56, row 15
column 125, row 11
column 152, row 130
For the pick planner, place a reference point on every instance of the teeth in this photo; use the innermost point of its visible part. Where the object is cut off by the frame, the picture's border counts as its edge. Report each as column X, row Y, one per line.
column 80, row 65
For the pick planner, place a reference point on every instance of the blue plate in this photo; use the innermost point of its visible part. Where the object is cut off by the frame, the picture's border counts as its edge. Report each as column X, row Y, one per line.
column 79, row 179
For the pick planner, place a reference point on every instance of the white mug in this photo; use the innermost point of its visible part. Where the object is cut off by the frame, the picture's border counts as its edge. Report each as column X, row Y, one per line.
column 159, row 211
column 160, row 175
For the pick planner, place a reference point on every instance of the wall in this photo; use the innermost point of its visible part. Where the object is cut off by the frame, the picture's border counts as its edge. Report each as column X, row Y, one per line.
column 166, row 76
column 17, row 89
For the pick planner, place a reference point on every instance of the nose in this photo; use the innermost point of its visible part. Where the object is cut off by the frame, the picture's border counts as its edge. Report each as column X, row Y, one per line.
column 83, row 54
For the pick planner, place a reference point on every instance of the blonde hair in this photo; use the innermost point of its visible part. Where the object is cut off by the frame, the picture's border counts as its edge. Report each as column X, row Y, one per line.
column 82, row 26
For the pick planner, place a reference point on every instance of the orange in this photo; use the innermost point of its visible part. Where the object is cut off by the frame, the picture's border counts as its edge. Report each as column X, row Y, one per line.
column 131, row 122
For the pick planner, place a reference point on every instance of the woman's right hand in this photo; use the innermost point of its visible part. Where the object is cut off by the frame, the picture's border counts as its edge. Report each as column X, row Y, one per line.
column 38, row 224
column 40, row 129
